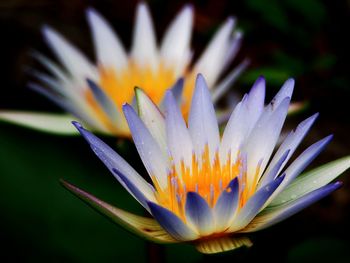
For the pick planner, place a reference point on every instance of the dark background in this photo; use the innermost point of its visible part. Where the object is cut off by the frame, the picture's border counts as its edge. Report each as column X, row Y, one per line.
column 40, row 221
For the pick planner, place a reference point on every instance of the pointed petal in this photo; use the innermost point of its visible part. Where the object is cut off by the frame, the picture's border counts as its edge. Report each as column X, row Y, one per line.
column 106, row 104
column 254, row 205
column 76, row 63
column 261, row 143
column 304, row 159
column 198, row 214
column 290, row 143
column 212, row 60
column 152, row 118
column 46, row 122
column 312, row 180
column 142, row 226
column 108, row 48
column 178, row 136
column 131, row 188
column 175, row 48
column 113, row 161
column 234, row 46
column 228, row 82
column 50, row 66
column 171, row 223
column 285, row 92
column 276, row 214
column 226, row 205
column 242, row 120
column 300, row 163
column 212, row 246
column 202, row 122
column 273, row 173
column 177, row 90
column 144, row 47
column 156, row 163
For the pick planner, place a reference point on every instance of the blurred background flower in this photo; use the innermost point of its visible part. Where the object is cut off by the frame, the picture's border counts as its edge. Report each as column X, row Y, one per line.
column 94, row 93
column 303, row 39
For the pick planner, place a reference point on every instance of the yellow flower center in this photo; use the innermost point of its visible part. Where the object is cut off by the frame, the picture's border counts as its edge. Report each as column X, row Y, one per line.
column 119, row 86
column 208, row 178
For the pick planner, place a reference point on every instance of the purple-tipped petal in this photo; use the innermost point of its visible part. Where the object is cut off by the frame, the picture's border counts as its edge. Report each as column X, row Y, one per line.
column 106, row 103
column 113, row 161
column 254, row 205
column 172, row 223
column 272, row 174
column 132, row 189
column 290, row 143
column 243, row 120
column 255, row 102
column 199, row 214
column 156, row 163
column 276, row 214
column 261, row 142
column 202, row 122
column 285, row 92
column 177, row 90
column 226, row 205
column 304, row 160
column 312, row 180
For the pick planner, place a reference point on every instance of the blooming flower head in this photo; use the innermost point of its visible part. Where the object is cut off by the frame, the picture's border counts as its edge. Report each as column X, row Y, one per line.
column 95, row 93
column 208, row 189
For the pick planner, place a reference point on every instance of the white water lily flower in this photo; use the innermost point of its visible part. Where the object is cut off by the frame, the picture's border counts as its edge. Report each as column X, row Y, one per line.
column 211, row 190
column 111, row 81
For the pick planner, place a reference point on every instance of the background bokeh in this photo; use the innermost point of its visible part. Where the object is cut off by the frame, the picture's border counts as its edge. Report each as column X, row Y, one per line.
column 41, row 222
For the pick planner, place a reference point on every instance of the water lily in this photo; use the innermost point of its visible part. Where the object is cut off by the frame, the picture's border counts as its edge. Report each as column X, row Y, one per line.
column 208, row 189
column 111, row 80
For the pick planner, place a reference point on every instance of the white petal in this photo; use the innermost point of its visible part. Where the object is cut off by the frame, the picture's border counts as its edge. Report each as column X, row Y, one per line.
column 242, row 120
column 108, row 48
column 212, row 61
column 285, row 91
column 52, row 123
column 76, row 63
column 221, row 88
column 51, row 67
column 262, row 141
column 175, row 47
column 234, row 46
column 202, row 122
column 155, row 161
column 152, row 118
column 178, row 136
column 144, row 47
